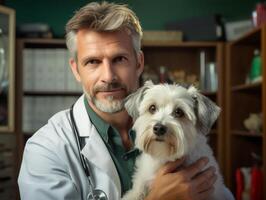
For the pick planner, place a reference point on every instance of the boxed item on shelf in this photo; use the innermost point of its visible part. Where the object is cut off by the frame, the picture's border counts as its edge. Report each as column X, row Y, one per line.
column 153, row 36
column 37, row 110
column 48, row 69
column 236, row 29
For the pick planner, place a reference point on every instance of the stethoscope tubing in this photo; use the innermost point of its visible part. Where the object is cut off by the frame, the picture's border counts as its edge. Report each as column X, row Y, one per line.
column 77, row 137
column 94, row 193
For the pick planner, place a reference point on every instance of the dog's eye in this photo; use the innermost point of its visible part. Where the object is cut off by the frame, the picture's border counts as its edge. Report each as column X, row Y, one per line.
column 178, row 113
column 152, row 109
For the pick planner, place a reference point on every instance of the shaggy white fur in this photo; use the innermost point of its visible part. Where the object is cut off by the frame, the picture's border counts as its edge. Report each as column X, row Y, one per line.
column 171, row 122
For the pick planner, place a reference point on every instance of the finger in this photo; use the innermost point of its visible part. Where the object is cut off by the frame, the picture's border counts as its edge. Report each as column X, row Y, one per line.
column 171, row 166
column 207, row 184
column 206, row 194
column 204, row 175
column 196, row 168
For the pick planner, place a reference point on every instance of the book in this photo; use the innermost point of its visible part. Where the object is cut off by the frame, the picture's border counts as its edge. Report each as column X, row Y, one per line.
column 159, row 36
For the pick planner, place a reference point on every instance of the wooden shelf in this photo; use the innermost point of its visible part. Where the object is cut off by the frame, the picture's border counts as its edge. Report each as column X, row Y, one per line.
column 245, row 133
column 247, row 87
column 51, row 93
column 241, row 100
column 178, row 44
column 41, row 41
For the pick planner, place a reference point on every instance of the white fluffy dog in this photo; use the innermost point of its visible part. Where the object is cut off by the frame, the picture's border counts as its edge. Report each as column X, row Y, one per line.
column 171, row 122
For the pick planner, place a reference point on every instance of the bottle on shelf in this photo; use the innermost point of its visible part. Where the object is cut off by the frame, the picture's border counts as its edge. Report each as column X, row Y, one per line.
column 255, row 74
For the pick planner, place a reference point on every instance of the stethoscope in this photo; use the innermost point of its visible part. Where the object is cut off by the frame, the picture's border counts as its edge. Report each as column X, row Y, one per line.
column 94, row 194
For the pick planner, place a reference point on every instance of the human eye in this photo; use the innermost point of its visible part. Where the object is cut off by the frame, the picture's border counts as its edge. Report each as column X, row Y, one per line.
column 119, row 59
column 91, row 62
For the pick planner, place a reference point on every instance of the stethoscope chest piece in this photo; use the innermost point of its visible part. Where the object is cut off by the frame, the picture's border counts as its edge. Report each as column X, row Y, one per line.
column 97, row 195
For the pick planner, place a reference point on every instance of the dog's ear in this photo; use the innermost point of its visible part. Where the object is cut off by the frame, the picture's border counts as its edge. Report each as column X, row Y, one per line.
column 206, row 110
column 133, row 101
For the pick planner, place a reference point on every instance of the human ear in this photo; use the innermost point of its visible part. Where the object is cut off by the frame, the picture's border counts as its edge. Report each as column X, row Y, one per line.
column 140, row 64
column 74, row 68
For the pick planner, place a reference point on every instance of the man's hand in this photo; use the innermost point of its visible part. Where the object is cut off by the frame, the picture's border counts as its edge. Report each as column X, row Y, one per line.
column 189, row 183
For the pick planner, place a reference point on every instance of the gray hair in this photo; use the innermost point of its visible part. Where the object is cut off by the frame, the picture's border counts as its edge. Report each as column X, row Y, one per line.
column 103, row 17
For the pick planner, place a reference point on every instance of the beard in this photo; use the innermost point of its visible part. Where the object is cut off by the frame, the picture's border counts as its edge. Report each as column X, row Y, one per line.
column 110, row 104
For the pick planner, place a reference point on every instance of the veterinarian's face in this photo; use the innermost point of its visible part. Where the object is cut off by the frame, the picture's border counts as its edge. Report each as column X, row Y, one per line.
column 107, row 67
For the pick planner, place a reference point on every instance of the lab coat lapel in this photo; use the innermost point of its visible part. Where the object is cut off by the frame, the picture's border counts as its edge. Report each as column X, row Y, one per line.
column 94, row 150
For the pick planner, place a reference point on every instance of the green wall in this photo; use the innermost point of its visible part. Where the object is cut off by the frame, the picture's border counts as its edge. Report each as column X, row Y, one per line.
column 153, row 14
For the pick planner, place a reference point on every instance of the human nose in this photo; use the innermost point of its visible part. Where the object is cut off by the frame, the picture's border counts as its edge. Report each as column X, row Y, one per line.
column 108, row 72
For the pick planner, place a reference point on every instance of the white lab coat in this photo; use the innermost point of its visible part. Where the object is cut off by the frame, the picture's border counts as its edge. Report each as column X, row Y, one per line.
column 51, row 167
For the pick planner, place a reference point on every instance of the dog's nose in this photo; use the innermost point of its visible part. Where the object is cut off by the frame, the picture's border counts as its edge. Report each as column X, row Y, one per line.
column 159, row 129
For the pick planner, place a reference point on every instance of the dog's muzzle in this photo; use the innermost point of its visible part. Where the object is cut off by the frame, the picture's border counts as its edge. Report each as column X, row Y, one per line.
column 159, row 129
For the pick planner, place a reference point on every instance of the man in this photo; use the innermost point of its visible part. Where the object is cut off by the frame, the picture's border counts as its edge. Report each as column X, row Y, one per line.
column 104, row 41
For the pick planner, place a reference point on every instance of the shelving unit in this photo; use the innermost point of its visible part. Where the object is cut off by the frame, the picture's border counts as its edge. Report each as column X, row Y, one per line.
column 241, row 100
column 8, row 134
column 179, row 55
column 28, row 95
column 186, row 56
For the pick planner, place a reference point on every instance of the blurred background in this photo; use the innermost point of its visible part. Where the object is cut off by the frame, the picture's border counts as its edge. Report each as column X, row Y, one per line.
column 217, row 45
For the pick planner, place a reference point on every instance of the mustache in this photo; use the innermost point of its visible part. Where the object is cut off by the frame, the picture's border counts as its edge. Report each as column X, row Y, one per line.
column 109, row 87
